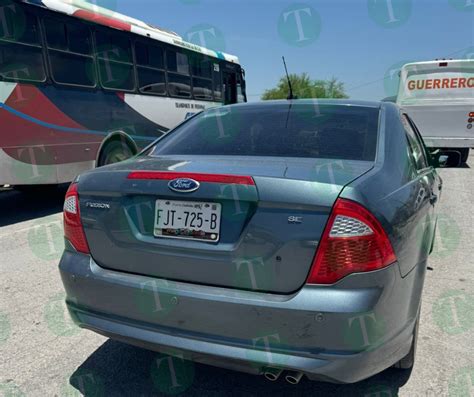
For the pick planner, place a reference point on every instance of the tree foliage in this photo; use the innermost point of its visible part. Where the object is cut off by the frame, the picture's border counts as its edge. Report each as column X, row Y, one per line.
column 305, row 87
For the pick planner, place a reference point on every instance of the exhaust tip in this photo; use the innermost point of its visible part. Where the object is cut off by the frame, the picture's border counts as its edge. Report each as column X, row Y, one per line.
column 291, row 380
column 272, row 374
column 271, row 377
column 294, row 377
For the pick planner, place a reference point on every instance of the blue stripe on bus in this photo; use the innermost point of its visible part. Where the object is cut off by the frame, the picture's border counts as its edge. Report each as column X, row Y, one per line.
column 37, row 2
column 61, row 128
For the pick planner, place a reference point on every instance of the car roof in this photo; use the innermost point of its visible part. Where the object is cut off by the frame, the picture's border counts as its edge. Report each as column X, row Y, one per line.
column 296, row 102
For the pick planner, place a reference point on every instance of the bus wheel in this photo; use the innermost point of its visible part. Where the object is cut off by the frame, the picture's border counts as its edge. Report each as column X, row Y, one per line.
column 114, row 152
column 464, row 154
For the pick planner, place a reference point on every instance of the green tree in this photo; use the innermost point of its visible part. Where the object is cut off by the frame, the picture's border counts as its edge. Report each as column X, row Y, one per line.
column 305, row 87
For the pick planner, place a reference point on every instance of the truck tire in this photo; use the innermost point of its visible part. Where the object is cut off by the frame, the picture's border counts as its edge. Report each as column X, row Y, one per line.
column 464, row 155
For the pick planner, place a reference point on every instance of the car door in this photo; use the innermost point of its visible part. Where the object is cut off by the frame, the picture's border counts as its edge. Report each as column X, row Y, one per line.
column 427, row 193
column 436, row 181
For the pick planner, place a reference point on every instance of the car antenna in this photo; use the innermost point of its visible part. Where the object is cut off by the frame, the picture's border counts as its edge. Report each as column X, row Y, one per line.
column 290, row 95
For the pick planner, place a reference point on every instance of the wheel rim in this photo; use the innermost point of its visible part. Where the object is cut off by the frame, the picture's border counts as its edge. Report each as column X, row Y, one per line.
column 116, row 158
column 117, row 155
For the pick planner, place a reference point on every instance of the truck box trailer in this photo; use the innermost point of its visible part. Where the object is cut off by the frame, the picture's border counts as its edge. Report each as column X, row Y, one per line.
column 439, row 97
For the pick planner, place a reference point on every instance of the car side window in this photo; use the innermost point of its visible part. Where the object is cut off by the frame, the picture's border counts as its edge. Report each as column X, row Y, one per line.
column 417, row 151
column 420, row 140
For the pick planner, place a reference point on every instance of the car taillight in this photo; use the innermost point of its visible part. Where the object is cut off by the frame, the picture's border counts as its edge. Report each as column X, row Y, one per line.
column 353, row 241
column 73, row 230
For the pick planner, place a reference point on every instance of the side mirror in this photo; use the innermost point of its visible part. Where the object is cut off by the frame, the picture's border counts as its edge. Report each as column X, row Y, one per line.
column 445, row 158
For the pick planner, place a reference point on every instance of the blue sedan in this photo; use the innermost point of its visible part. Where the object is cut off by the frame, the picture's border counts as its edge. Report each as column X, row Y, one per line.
column 284, row 238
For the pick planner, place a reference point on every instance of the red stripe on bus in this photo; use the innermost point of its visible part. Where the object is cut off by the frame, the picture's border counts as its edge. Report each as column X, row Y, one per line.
column 31, row 101
column 103, row 20
column 210, row 178
column 32, row 143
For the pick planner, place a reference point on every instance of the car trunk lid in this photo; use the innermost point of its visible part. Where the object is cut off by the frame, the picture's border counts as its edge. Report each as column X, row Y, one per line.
column 269, row 230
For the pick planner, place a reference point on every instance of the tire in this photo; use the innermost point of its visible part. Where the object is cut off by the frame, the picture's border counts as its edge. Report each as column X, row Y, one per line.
column 464, row 155
column 114, row 152
column 408, row 361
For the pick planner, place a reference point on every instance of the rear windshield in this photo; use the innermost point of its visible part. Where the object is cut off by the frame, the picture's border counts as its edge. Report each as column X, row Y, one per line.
column 283, row 130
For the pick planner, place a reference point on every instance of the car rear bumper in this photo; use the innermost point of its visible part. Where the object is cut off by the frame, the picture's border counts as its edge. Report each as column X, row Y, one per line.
column 339, row 334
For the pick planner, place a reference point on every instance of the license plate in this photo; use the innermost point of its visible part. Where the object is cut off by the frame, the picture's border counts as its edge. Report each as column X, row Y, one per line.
column 187, row 220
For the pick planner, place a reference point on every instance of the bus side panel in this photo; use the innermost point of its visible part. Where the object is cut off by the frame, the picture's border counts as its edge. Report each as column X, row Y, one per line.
column 27, row 152
column 51, row 134
column 165, row 111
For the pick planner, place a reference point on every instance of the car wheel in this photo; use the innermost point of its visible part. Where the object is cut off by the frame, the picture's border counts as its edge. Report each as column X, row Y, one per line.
column 114, row 152
column 464, row 155
column 408, row 361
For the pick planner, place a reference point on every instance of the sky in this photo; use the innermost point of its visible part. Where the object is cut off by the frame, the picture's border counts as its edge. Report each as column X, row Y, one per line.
column 360, row 42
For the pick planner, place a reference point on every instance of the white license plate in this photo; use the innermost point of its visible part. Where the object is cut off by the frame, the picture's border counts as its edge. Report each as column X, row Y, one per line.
column 190, row 220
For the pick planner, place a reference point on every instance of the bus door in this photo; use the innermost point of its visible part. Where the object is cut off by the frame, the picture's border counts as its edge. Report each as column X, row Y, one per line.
column 230, row 87
column 241, row 87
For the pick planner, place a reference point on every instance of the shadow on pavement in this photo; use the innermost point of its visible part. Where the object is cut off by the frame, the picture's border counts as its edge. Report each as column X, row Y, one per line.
column 117, row 369
column 35, row 202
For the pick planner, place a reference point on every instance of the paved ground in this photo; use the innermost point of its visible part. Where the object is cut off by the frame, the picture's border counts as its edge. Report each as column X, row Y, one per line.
column 44, row 354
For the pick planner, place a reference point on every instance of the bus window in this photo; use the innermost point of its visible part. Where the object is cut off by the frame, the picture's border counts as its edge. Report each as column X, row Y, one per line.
column 179, row 85
column 21, row 63
column 149, row 55
column 71, row 37
column 150, row 61
column 201, row 66
column 114, row 52
column 17, row 24
column 69, row 50
column 217, row 82
column 179, row 81
column 21, row 56
column 177, row 62
column 56, row 35
column 202, row 77
column 202, row 89
column 71, row 69
column 151, row 81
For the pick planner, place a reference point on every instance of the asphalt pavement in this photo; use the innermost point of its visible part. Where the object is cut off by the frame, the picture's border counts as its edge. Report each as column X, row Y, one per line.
column 44, row 354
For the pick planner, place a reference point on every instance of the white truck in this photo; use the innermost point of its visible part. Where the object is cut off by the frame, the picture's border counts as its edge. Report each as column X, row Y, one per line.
column 439, row 97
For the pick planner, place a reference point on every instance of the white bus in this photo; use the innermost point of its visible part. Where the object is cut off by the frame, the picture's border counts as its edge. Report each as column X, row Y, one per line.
column 82, row 86
column 439, row 97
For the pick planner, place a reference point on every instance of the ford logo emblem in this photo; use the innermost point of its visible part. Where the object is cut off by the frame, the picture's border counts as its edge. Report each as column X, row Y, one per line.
column 183, row 185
